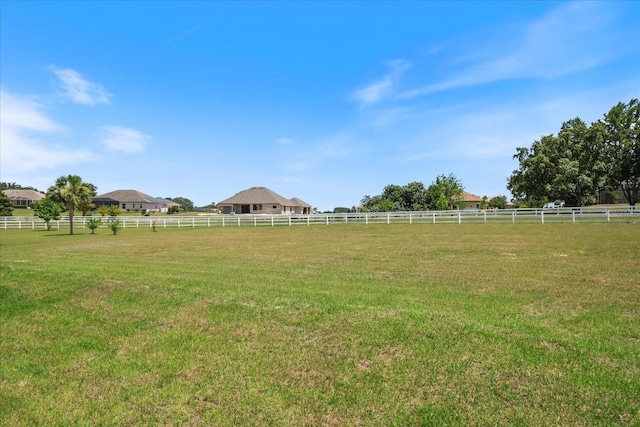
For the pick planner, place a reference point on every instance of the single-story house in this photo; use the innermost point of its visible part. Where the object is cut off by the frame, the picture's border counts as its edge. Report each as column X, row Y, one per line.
column 471, row 201
column 132, row 200
column 23, row 197
column 261, row 200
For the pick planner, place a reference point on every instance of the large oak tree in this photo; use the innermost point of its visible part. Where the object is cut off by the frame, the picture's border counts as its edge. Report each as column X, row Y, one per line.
column 580, row 160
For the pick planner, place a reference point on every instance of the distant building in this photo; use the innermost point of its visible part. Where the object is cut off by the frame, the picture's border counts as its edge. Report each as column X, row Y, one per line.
column 261, row 200
column 23, row 197
column 131, row 200
column 471, row 201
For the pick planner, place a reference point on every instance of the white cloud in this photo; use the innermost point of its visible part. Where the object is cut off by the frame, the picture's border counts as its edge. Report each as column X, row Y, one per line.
column 119, row 138
column 22, row 126
column 78, row 89
column 384, row 87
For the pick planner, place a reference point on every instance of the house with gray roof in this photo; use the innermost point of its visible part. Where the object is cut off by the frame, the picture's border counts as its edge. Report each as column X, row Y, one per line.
column 132, row 200
column 23, row 197
column 261, row 200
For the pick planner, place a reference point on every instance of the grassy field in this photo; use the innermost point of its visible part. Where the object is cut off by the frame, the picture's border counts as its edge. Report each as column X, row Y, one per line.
column 342, row 325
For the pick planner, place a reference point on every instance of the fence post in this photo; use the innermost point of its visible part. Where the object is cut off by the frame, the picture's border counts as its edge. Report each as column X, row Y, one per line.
column 485, row 217
column 289, row 220
column 573, row 217
column 222, row 222
column 387, row 218
column 255, row 222
column 410, row 221
column 208, row 223
column 272, row 220
column 434, row 217
column 308, row 219
column 137, row 223
column 164, row 223
column 327, row 218
column 513, row 217
column 608, row 217
column 366, row 219
column 238, row 221
column 542, row 217
column 459, row 217
column 345, row 219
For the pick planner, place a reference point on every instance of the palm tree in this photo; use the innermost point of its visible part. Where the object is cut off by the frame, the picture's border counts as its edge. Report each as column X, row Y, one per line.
column 74, row 193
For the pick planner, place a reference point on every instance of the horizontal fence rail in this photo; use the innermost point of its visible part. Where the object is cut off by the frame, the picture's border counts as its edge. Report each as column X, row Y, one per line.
column 512, row 216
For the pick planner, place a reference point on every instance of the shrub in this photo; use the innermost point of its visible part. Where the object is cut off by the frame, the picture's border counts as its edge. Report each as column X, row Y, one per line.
column 115, row 225
column 94, row 223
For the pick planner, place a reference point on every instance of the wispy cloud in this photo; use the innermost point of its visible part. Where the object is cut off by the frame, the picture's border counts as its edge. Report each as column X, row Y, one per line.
column 284, row 141
column 187, row 32
column 119, row 138
column 23, row 124
column 385, row 87
column 571, row 38
column 78, row 89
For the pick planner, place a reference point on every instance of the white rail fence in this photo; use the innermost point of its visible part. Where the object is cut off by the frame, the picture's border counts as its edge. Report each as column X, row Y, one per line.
column 510, row 216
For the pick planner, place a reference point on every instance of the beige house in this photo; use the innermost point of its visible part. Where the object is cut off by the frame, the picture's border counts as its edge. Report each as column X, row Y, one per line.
column 471, row 201
column 261, row 200
column 132, row 200
column 23, row 197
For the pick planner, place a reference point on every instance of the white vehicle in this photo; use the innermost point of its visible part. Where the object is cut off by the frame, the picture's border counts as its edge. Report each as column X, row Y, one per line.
column 552, row 205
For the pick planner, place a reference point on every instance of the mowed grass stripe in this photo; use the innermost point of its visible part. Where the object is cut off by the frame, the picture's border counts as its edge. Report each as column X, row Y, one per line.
column 343, row 325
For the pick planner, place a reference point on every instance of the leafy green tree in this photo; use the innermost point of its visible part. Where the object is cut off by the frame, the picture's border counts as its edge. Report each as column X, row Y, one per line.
column 72, row 192
column 6, row 207
column 498, row 202
column 442, row 204
column 445, row 193
column 114, row 210
column 385, row 205
column 14, row 186
column 103, row 210
column 410, row 197
column 622, row 140
column 484, row 204
column 570, row 166
column 415, row 197
column 47, row 209
column 186, row 205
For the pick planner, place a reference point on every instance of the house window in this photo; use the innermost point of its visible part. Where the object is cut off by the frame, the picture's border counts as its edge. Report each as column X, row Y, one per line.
column 275, row 207
column 257, row 207
column 124, row 206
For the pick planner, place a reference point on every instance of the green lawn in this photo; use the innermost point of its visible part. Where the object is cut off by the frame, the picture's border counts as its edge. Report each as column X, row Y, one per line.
column 494, row 324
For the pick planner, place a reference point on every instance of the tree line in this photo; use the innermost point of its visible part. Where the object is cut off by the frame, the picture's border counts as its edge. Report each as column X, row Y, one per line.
column 445, row 193
column 581, row 160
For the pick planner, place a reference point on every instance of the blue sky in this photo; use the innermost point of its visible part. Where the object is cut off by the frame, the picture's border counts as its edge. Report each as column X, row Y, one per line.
column 325, row 101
